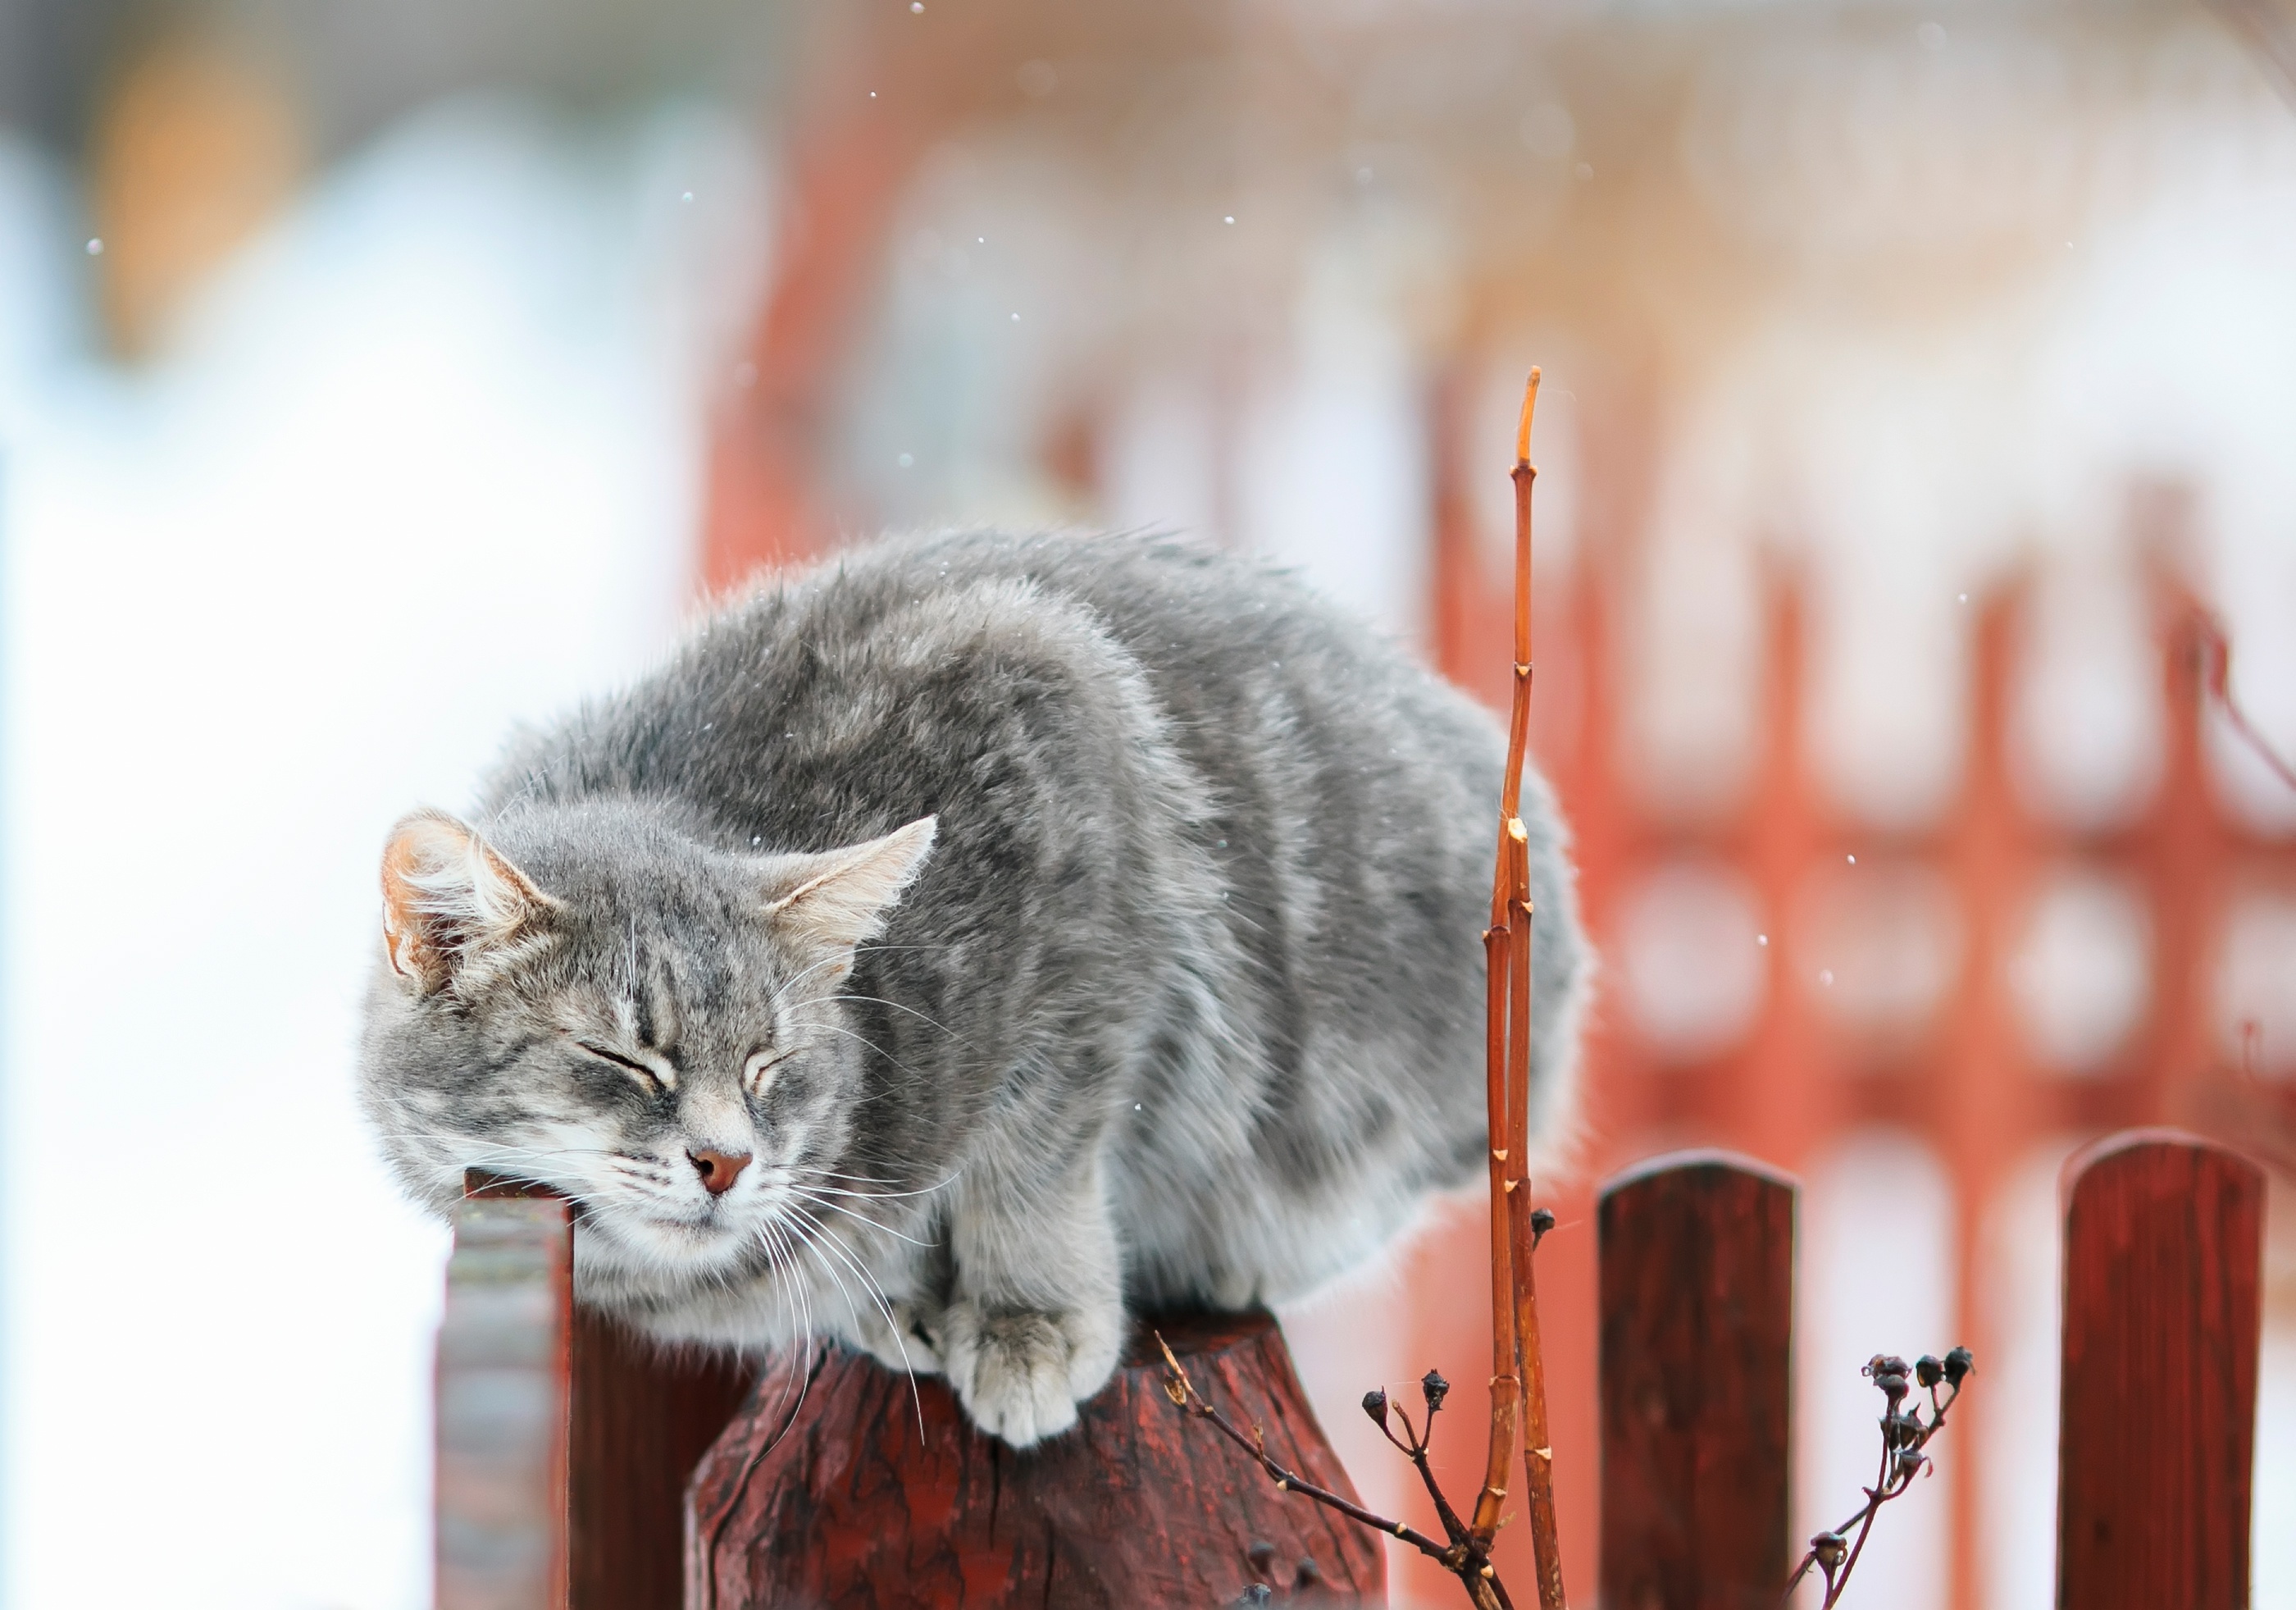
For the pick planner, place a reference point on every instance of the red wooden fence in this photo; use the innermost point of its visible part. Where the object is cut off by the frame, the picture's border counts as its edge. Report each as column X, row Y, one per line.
column 1697, row 1356
column 822, row 1490
column 2163, row 1253
column 1798, row 1076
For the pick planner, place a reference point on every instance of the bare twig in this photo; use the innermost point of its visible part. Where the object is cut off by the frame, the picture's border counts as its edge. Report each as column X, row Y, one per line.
column 1461, row 1555
column 1518, row 1372
column 2214, row 650
column 1511, row 905
column 1507, row 950
column 1904, row 1439
column 1413, row 1443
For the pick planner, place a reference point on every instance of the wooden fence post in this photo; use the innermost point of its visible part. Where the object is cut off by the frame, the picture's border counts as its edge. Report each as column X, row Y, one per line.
column 642, row 1421
column 505, row 1359
column 845, row 1483
column 565, row 1443
column 1697, row 1349
column 2163, row 1258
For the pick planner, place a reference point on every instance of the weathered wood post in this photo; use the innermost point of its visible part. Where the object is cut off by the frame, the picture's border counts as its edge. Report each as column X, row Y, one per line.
column 2163, row 1263
column 843, row 1484
column 565, row 1447
column 1697, row 1350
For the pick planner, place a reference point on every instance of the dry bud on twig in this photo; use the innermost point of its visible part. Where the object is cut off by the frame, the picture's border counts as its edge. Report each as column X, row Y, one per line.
column 1905, row 1438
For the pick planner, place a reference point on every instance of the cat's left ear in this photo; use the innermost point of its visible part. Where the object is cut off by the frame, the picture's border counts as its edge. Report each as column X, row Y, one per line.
column 449, row 897
column 834, row 900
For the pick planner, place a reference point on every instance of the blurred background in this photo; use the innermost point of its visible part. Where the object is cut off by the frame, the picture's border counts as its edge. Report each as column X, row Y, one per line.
column 374, row 373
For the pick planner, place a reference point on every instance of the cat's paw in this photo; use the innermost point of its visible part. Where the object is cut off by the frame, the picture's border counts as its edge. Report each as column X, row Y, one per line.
column 1020, row 1373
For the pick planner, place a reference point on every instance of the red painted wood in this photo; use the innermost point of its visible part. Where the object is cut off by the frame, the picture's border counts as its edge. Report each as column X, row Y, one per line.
column 1697, row 1351
column 840, row 1485
column 2163, row 1261
column 642, row 1419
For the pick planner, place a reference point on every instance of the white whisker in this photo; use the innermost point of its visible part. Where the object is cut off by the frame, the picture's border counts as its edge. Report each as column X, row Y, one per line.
column 874, row 1224
column 818, row 1236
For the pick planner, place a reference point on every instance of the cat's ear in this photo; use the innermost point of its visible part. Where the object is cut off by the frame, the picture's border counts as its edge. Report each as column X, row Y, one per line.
column 448, row 896
column 834, row 900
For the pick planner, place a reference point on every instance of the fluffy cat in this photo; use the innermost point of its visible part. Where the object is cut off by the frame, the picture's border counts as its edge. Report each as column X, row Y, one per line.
column 966, row 939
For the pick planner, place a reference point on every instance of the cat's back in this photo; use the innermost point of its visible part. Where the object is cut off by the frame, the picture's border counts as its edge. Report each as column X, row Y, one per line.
column 1264, row 687
column 892, row 646
column 1139, row 732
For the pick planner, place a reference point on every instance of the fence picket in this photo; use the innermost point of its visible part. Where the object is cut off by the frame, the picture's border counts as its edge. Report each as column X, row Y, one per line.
column 1697, row 1344
column 642, row 1417
column 504, row 1345
column 2163, row 1258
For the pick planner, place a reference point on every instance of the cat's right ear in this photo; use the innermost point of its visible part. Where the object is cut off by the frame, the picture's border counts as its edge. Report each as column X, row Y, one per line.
column 834, row 900
column 449, row 896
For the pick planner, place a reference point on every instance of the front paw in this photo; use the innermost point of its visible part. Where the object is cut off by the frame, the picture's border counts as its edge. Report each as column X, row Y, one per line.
column 1020, row 1373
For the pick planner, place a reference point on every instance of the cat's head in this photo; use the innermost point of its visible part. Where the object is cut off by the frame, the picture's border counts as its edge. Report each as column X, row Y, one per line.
column 590, row 999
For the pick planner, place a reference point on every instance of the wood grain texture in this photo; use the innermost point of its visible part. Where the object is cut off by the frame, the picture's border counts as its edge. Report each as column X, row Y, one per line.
column 504, row 1363
column 1697, row 1350
column 641, row 1420
column 840, row 1488
column 2163, row 1261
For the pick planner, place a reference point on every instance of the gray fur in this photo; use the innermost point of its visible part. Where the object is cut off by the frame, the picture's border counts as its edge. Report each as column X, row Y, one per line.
column 1183, row 1005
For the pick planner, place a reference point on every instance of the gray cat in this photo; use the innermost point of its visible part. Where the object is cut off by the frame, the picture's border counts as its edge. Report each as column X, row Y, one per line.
column 962, row 941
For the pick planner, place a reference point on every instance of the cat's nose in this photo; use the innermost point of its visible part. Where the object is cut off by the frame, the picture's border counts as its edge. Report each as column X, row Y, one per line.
column 718, row 1170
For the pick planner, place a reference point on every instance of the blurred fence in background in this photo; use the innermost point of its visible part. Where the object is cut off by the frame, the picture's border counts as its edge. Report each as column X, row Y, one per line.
column 1911, row 369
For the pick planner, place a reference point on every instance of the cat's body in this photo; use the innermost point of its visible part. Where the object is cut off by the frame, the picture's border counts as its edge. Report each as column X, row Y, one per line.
column 1177, row 1000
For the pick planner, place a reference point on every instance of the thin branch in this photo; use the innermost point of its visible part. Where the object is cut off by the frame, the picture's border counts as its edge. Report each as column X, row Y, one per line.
column 1183, row 1393
column 1460, row 1558
column 2215, row 652
column 1518, row 1387
column 1506, row 951
column 1905, row 1441
column 1511, row 1210
column 1414, row 1442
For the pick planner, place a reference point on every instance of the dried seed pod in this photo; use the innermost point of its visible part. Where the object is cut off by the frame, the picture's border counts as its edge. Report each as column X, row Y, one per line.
column 1958, row 1363
column 1542, row 1219
column 1910, row 1461
column 1374, row 1404
column 1894, row 1386
column 1830, row 1548
column 1435, row 1388
column 1928, row 1370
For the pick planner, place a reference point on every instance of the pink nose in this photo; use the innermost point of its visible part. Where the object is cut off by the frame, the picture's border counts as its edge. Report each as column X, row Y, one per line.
column 718, row 1170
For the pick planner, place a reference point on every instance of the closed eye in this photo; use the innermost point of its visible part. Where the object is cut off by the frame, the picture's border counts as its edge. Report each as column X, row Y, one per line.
column 652, row 1080
column 763, row 1063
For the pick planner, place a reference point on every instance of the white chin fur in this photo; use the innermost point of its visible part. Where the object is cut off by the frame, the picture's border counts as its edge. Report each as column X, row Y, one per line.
column 641, row 1244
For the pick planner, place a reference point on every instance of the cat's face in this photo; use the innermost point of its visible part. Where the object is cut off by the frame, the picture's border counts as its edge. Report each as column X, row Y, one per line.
column 597, row 1002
